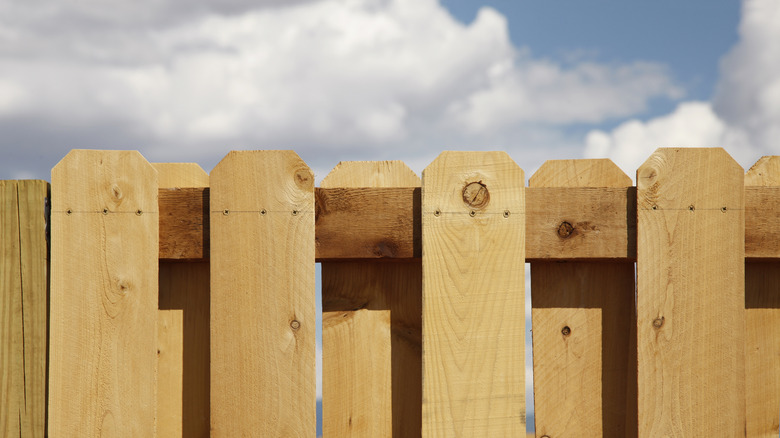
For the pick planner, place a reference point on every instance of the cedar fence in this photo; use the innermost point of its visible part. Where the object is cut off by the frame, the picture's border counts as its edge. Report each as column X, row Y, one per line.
column 157, row 300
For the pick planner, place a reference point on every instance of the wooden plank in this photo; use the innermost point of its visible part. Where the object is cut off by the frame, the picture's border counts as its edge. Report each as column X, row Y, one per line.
column 263, row 379
column 762, row 322
column 103, row 325
column 33, row 203
column 603, row 223
column 184, row 223
column 350, row 226
column 582, row 317
column 183, row 328
column 372, row 353
column 473, row 296
column 691, row 294
column 12, row 407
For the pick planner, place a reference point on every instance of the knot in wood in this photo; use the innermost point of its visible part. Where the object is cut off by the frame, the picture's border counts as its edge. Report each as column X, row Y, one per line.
column 294, row 324
column 658, row 322
column 476, row 195
column 565, row 230
column 566, row 331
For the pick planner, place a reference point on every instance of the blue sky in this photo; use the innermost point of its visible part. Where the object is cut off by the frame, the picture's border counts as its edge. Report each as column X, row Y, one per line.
column 189, row 80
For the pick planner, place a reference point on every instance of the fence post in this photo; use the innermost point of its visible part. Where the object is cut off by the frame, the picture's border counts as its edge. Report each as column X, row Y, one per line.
column 104, row 252
column 183, row 329
column 263, row 379
column 372, row 369
column 24, row 298
column 584, row 367
column 473, row 231
column 691, row 294
column 762, row 319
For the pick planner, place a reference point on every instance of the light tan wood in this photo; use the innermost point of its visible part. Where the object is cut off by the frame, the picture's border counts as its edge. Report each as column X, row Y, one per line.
column 12, row 407
column 183, row 329
column 103, row 321
column 582, row 317
column 762, row 320
column 691, row 294
column 473, row 296
column 263, row 380
column 372, row 358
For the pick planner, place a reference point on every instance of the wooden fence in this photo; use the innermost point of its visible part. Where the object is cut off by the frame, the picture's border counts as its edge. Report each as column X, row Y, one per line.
column 177, row 303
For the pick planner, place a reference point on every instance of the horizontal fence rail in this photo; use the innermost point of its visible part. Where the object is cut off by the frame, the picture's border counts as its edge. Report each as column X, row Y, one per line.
column 564, row 223
column 171, row 302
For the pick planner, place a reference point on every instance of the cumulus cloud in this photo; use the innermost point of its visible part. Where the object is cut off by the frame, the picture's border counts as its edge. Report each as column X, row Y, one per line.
column 355, row 78
column 744, row 116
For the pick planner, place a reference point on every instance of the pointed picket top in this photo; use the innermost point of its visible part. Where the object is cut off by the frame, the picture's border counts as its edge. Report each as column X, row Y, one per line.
column 181, row 175
column 477, row 182
column 663, row 183
column 766, row 172
column 295, row 188
column 371, row 174
column 114, row 176
column 600, row 172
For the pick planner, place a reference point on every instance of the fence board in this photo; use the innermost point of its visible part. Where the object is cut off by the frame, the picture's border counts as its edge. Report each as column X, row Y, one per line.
column 104, row 247
column 473, row 296
column 582, row 316
column 263, row 379
column 12, row 407
column 690, row 294
column 183, row 329
column 371, row 327
column 762, row 320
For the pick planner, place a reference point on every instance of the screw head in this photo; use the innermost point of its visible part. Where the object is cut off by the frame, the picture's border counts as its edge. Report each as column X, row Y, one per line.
column 566, row 331
column 226, row 212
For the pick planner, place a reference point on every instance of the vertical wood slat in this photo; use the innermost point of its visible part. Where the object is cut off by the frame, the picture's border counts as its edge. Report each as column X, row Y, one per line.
column 690, row 294
column 183, row 329
column 582, row 315
column 263, row 379
column 103, row 325
column 762, row 320
column 24, row 304
column 372, row 356
column 473, row 232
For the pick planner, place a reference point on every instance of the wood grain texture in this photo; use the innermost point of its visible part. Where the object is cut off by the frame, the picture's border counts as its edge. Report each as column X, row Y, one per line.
column 24, row 303
column 582, row 317
column 352, row 227
column 183, row 328
column 762, row 321
column 184, row 223
column 12, row 408
column 103, row 325
column 603, row 221
column 372, row 354
column 690, row 294
column 263, row 379
column 473, row 296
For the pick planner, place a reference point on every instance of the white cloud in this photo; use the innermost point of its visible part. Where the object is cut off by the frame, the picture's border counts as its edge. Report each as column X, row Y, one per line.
column 354, row 78
column 744, row 116
column 692, row 124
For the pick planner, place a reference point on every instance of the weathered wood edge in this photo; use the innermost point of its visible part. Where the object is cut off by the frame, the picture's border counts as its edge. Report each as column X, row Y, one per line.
column 601, row 223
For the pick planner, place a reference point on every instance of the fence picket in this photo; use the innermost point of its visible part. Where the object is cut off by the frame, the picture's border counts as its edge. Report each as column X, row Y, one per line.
column 473, row 231
column 691, row 294
column 103, row 325
column 183, row 329
column 372, row 367
column 762, row 320
column 584, row 384
column 24, row 297
column 263, row 379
